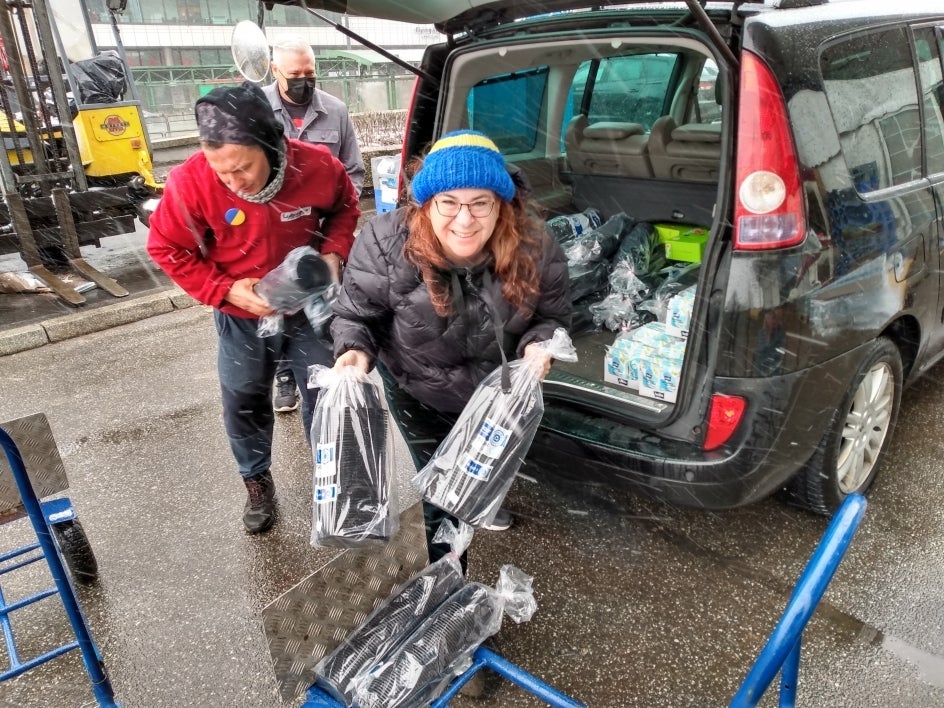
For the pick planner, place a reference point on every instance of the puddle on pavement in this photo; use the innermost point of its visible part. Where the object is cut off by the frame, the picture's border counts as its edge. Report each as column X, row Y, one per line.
column 930, row 666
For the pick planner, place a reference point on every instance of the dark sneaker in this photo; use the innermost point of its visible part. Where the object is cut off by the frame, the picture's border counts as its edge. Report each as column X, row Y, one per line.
column 503, row 520
column 286, row 398
column 260, row 504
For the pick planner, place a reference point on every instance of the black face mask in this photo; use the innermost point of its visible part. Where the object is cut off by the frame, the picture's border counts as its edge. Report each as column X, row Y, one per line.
column 299, row 91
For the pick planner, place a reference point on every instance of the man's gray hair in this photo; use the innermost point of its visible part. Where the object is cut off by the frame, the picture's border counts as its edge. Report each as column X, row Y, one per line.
column 291, row 45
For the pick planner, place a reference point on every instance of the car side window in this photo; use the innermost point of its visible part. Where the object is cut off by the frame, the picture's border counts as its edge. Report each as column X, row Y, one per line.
column 873, row 96
column 928, row 45
column 507, row 108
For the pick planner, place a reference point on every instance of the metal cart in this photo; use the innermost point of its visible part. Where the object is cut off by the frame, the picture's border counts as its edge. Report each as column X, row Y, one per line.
column 781, row 654
column 60, row 541
column 297, row 640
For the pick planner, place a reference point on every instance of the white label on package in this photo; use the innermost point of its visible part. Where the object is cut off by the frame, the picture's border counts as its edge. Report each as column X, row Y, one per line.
column 492, row 439
column 476, row 468
column 326, row 494
column 326, row 460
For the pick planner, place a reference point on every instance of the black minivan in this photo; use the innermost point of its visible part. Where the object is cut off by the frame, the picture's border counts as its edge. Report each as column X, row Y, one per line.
column 786, row 163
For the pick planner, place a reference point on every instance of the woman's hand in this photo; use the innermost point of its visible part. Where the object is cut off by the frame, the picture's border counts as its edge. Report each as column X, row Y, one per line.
column 538, row 359
column 243, row 296
column 353, row 357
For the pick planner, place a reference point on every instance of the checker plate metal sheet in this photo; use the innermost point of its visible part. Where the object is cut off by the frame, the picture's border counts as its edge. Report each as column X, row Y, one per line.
column 34, row 440
column 307, row 622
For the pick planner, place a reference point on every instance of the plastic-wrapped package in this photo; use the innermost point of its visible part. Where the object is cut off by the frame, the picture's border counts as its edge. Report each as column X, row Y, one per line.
column 625, row 281
column 319, row 311
column 353, row 504
column 601, row 243
column 302, row 276
column 642, row 246
column 472, row 469
column 440, row 648
column 399, row 615
column 616, row 312
column 587, row 278
column 565, row 228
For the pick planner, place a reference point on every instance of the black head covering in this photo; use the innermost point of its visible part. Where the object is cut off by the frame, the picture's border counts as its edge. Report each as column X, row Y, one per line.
column 239, row 115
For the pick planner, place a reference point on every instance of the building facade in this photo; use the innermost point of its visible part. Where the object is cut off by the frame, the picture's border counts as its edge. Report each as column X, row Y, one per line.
column 180, row 49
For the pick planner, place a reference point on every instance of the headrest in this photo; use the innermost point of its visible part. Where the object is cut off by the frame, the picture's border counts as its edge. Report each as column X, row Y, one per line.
column 698, row 133
column 609, row 130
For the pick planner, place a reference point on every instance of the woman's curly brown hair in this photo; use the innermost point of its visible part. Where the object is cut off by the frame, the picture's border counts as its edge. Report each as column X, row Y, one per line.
column 514, row 248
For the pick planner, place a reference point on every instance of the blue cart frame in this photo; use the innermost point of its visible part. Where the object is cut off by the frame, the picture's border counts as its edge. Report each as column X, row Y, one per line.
column 42, row 516
column 780, row 654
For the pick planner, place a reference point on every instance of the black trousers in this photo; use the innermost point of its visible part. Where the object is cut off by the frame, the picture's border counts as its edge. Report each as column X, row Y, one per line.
column 422, row 428
column 246, row 363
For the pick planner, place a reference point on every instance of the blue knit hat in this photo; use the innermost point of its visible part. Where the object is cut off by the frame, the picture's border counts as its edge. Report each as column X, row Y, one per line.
column 463, row 159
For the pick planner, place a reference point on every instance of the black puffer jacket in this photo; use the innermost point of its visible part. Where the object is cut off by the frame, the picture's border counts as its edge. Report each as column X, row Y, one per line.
column 384, row 309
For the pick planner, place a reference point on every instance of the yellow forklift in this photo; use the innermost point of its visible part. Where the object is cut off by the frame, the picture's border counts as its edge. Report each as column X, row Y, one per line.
column 76, row 164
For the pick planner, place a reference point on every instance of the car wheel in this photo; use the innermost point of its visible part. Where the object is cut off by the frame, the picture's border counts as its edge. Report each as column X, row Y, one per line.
column 854, row 445
column 76, row 551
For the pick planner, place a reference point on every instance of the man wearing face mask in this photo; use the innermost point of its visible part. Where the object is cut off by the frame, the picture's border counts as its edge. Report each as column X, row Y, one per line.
column 314, row 116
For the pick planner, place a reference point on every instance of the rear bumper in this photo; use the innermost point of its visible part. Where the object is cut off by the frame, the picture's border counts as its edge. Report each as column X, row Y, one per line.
column 786, row 418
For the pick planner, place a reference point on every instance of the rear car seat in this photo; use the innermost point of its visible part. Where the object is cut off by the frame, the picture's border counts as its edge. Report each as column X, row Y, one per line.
column 607, row 148
column 690, row 152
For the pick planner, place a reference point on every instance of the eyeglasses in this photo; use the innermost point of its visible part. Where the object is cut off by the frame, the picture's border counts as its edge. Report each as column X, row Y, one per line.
column 480, row 208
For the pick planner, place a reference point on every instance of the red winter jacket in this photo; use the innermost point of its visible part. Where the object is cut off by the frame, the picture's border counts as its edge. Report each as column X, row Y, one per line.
column 206, row 238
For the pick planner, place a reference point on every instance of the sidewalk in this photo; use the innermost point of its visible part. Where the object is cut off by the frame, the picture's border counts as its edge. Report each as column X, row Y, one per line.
column 30, row 320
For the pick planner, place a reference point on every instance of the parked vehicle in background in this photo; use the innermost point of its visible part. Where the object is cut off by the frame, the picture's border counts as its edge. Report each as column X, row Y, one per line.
column 785, row 162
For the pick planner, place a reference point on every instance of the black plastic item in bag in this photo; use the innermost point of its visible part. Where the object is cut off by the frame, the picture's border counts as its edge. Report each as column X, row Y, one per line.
column 418, row 669
column 587, row 278
column 288, row 286
column 352, row 503
column 388, row 625
column 473, row 468
column 601, row 243
column 424, row 658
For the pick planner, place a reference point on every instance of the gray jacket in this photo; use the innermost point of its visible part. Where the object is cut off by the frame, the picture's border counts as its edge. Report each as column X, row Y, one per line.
column 384, row 309
column 327, row 123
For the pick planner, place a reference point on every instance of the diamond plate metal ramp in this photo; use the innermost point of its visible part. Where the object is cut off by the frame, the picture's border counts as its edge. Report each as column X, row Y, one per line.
column 47, row 474
column 308, row 621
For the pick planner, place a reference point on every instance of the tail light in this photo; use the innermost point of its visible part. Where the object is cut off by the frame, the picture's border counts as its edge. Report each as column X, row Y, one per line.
column 724, row 416
column 768, row 211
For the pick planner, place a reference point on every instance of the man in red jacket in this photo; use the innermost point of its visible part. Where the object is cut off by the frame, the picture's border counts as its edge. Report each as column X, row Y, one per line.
column 229, row 215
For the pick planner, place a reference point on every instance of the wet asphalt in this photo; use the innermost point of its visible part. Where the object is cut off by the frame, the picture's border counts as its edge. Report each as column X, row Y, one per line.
column 640, row 603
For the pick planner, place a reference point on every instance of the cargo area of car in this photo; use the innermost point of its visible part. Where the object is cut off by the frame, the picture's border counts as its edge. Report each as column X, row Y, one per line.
column 624, row 158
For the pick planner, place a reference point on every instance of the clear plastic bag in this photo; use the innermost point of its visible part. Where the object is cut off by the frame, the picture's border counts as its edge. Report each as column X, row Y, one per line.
column 353, row 500
column 473, row 468
column 420, row 668
column 399, row 615
column 303, row 276
column 599, row 244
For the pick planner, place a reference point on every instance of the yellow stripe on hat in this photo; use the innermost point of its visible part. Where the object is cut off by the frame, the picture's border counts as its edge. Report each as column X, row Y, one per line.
column 464, row 140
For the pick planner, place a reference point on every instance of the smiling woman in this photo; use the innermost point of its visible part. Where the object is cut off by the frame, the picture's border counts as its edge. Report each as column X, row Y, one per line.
column 440, row 293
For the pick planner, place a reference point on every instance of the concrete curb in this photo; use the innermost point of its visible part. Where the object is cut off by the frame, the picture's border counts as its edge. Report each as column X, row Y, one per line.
column 57, row 329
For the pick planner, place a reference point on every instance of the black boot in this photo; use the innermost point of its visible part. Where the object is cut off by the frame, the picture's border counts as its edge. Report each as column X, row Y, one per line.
column 260, row 505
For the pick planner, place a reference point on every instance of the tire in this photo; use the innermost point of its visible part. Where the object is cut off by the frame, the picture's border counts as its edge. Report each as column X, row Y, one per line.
column 76, row 551
column 853, row 447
